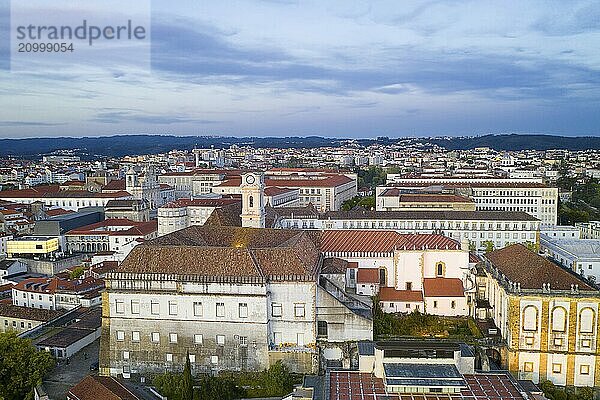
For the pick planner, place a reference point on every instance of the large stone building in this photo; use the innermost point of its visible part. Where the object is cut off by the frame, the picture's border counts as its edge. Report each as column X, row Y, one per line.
column 491, row 194
column 233, row 298
column 478, row 227
column 546, row 315
column 183, row 213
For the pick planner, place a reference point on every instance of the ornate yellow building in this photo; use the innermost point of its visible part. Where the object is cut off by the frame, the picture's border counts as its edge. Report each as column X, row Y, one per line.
column 547, row 317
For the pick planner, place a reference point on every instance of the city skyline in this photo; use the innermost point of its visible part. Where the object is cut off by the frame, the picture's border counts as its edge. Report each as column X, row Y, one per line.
column 274, row 68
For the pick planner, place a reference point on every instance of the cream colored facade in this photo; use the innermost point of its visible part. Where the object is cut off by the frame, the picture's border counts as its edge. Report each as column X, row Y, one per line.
column 32, row 245
column 549, row 334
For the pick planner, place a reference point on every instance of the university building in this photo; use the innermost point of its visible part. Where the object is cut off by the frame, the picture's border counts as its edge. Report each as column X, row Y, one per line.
column 546, row 315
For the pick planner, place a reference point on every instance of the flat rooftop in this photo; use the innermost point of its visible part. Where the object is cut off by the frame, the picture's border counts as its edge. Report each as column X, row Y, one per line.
column 354, row 385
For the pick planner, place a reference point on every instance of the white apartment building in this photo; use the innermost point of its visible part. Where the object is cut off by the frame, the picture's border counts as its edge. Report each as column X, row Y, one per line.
column 529, row 195
column 589, row 230
column 478, row 227
column 68, row 200
column 196, row 183
column 57, row 293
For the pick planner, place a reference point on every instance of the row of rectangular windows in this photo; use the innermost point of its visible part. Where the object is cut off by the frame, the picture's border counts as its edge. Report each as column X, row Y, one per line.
column 276, row 308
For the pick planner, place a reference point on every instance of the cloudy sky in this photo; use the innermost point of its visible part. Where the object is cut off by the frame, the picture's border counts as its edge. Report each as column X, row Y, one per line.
column 331, row 68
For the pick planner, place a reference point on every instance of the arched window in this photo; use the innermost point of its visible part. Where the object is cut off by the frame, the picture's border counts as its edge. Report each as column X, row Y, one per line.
column 587, row 318
column 559, row 320
column 530, row 318
column 382, row 276
column 251, row 201
column 439, row 269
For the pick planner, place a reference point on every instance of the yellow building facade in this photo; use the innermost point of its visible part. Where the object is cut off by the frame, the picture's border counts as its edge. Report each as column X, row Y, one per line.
column 32, row 245
column 547, row 317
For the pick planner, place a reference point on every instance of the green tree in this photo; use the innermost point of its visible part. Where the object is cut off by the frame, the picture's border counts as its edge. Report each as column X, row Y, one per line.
column 532, row 246
column 76, row 273
column 489, row 246
column 22, row 367
column 277, row 380
column 187, row 382
column 169, row 385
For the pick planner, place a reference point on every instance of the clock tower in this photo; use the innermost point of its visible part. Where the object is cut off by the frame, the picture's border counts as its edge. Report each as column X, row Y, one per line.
column 253, row 200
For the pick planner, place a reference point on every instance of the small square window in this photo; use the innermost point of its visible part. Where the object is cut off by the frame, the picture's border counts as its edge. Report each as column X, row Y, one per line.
column 556, row 368
column 155, row 337
column 276, row 310
column 558, row 342
column 120, row 336
column 192, row 358
column 529, row 340
column 584, row 369
column 135, row 306
column 125, row 355
column 120, row 306
column 198, row 338
column 528, row 367
column 154, row 307
column 435, row 304
column 407, row 305
column 135, row 336
column 169, row 357
column 173, row 337
column 221, row 340
column 214, row 359
column 587, row 343
column 299, row 310
column 172, row 308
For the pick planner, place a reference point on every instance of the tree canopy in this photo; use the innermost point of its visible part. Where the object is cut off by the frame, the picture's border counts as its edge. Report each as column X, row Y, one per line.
column 22, row 367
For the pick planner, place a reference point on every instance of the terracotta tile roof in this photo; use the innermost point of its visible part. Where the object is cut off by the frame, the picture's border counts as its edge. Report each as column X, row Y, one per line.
column 231, row 182
column 201, row 203
column 217, row 252
column 391, row 294
column 367, row 275
column 274, row 191
column 359, row 241
column 334, row 265
column 102, row 228
column 116, row 185
column 100, row 387
column 29, row 313
column 328, row 181
column 383, row 241
column 424, row 197
column 429, row 215
column 191, row 260
column 57, row 211
column 36, row 191
column 531, row 270
column 443, row 287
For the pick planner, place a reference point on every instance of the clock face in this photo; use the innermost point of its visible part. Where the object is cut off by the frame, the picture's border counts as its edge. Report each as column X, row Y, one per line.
column 250, row 179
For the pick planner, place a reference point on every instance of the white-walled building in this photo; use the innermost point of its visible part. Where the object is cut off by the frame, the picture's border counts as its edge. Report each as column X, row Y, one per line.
column 385, row 263
column 580, row 255
column 589, row 230
column 528, row 195
column 184, row 213
column 234, row 298
column 478, row 227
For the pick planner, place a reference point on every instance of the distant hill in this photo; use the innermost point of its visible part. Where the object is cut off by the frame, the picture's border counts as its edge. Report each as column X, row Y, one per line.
column 520, row 142
column 120, row 145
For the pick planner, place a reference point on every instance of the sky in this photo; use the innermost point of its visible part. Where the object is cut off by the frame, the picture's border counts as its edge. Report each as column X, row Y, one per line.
column 329, row 68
